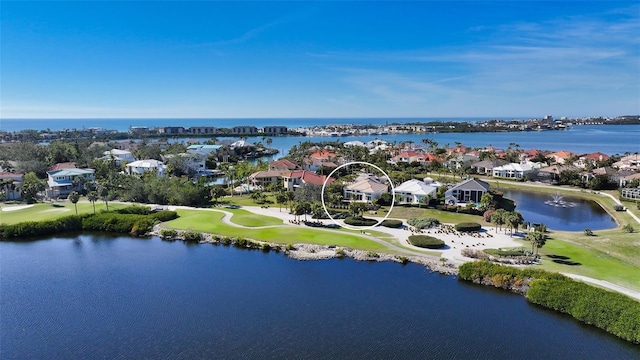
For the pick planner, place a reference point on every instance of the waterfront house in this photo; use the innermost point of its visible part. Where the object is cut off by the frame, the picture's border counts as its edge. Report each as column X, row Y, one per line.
column 631, row 162
column 10, row 185
column 141, row 167
column 61, row 182
column 365, row 190
column 203, row 150
column 119, row 156
column 485, row 167
column 552, row 173
column 470, row 190
column 414, row 191
column 293, row 179
column 262, row 179
column 561, row 157
column 191, row 163
column 283, row 165
column 515, row 170
column 460, row 161
column 590, row 159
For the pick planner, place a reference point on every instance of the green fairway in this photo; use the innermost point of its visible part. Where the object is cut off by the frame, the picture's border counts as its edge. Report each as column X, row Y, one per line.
column 563, row 256
column 247, row 218
column 211, row 222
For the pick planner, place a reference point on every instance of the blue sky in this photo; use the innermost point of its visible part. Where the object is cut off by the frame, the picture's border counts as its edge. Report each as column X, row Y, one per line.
column 319, row 59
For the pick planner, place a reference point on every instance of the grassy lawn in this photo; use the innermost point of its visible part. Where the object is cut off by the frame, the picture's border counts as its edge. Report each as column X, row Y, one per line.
column 245, row 200
column 247, row 218
column 566, row 257
column 402, row 212
column 615, row 243
column 210, row 222
column 48, row 211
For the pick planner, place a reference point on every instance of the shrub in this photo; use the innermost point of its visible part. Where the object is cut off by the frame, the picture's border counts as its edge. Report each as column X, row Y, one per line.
column 168, row 234
column 392, row 223
column 423, row 223
column 614, row 312
column 135, row 209
column 290, row 247
column 474, row 253
column 403, row 259
column 359, row 221
column 425, row 241
column 340, row 253
column 588, row 232
column 628, row 228
column 372, row 254
column 192, row 236
column 164, row 215
column 468, row 227
column 28, row 229
column 506, row 253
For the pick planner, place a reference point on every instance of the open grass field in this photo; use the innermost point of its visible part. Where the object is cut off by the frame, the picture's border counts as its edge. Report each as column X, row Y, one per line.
column 211, row 222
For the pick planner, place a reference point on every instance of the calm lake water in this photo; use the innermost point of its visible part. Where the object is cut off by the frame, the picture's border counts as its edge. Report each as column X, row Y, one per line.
column 570, row 214
column 88, row 297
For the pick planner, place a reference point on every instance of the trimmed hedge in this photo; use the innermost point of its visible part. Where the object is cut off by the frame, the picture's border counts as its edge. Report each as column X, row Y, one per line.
column 134, row 209
column 360, row 221
column 505, row 253
column 425, row 241
column 391, row 223
column 613, row 312
column 468, row 227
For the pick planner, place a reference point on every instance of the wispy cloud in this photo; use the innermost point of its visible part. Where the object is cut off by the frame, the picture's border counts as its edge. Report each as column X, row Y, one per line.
column 592, row 59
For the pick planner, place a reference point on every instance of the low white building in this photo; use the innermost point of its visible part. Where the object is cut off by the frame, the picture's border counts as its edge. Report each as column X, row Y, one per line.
column 515, row 170
column 365, row 190
column 119, row 156
column 141, row 167
column 414, row 191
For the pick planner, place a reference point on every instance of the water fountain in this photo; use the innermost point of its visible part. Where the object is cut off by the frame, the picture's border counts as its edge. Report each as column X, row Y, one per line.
column 557, row 201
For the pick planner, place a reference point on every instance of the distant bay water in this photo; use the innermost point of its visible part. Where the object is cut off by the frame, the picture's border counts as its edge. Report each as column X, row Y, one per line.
column 608, row 139
column 102, row 297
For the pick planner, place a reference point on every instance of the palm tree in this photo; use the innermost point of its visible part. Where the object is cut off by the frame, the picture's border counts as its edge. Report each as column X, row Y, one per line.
column 498, row 218
column 537, row 239
column 514, row 219
column 74, row 196
column 92, row 196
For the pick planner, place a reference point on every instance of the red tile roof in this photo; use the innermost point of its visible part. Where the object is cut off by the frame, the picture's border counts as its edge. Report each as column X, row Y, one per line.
column 307, row 177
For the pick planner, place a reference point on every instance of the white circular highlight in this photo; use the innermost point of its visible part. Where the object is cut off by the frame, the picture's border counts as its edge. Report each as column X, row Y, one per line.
column 393, row 195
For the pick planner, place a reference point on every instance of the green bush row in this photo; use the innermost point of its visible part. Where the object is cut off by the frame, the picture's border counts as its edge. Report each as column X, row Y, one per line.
column 478, row 270
column 425, row 241
column 468, row 227
column 29, row 229
column 105, row 221
column 391, row 223
column 423, row 223
column 613, row 312
column 360, row 221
